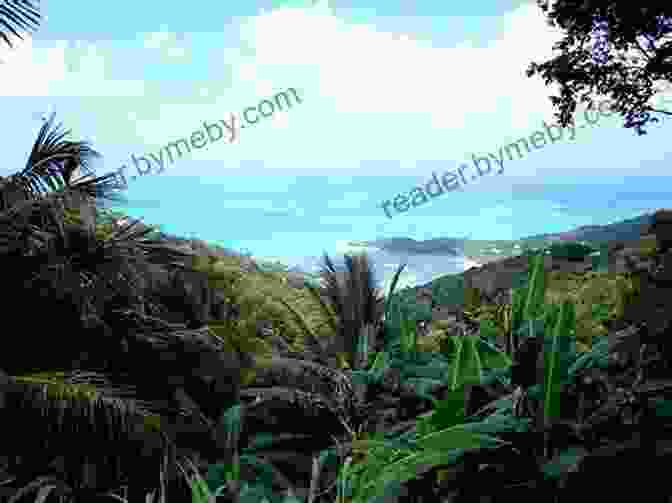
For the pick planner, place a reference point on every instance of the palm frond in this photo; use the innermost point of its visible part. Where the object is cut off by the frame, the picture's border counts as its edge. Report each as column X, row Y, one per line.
column 21, row 14
column 29, row 226
column 50, row 167
column 71, row 275
column 354, row 297
column 100, row 189
column 84, row 416
column 309, row 333
column 327, row 310
column 99, row 271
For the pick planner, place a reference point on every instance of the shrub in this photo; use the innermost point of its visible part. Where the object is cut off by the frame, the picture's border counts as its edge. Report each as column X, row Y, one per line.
column 599, row 298
column 472, row 298
column 661, row 226
column 648, row 246
column 255, row 295
column 570, row 250
column 448, row 290
column 406, row 300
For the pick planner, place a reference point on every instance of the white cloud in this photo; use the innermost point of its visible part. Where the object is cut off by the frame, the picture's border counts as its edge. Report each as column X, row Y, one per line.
column 156, row 39
column 384, row 96
column 367, row 94
column 170, row 45
column 58, row 70
column 374, row 87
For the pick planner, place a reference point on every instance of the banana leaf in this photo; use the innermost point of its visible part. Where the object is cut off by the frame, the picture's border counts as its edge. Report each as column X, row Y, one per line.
column 408, row 337
column 488, row 330
column 491, row 356
column 563, row 463
column 430, row 371
column 447, row 412
column 390, row 295
column 423, row 386
column 381, row 363
column 363, row 346
column 597, row 357
column 555, row 361
column 536, row 289
column 500, row 375
column 445, row 447
column 466, row 367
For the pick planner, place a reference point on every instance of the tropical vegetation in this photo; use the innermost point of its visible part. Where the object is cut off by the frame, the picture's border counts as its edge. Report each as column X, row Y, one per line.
column 18, row 14
column 618, row 49
column 141, row 368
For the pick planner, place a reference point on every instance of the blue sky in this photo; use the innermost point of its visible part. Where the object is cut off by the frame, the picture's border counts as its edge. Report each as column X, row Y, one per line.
column 391, row 92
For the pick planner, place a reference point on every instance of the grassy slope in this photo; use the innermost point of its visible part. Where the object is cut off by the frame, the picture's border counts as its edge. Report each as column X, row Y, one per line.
column 598, row 296
column 588, row 290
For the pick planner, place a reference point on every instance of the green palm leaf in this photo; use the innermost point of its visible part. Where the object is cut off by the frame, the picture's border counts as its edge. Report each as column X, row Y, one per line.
column 326, row 308
column 21, row 14
column 355, row 299
column 52, row 163
column 303, row 323
column 80, row 416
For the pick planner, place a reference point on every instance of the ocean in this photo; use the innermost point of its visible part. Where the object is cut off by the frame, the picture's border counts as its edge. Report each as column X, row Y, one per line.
column 295, row 219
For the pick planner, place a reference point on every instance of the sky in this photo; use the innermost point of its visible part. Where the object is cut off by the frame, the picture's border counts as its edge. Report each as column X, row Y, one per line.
column 390, row 94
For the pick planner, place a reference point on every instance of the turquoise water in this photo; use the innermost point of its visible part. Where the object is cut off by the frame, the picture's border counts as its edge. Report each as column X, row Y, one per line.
column 305, row 215
column 295, row 219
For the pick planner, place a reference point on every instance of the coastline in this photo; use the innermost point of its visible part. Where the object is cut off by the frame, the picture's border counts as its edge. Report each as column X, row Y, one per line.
column 481, row 260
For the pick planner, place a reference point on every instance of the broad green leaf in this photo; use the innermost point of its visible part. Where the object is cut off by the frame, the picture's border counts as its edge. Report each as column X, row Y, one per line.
column 462, row 436
column 662, row 409
column 408, row 336
column 390, row 295
column 551, row 314
column 402, row 471
column 536, row 289
column 563, row 462
column 441, row 448
column 555, row 361
column 422, row 386
column 504, row 404
column 466, row 366
column 430, row 371
column 449, row 411
column 381, row 362
column 231, row 421
column 491, row 356
column 517, row 307
column 487, row 329
column 363, row 346
column 497, row 375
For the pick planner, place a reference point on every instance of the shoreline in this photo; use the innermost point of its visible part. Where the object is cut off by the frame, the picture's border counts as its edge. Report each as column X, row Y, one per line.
column 481, row 260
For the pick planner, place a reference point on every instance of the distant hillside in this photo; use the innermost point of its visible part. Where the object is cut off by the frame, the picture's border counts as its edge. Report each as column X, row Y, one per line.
column 624, row 230
column 437, row 246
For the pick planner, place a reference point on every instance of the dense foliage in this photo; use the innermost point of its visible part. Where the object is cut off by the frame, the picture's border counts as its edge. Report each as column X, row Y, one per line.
column 570, row 250
column 18, row 14
column 619, row 49
column 132, row 367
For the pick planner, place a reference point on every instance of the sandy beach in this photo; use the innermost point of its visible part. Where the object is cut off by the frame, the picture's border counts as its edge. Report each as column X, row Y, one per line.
column 481, row 260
